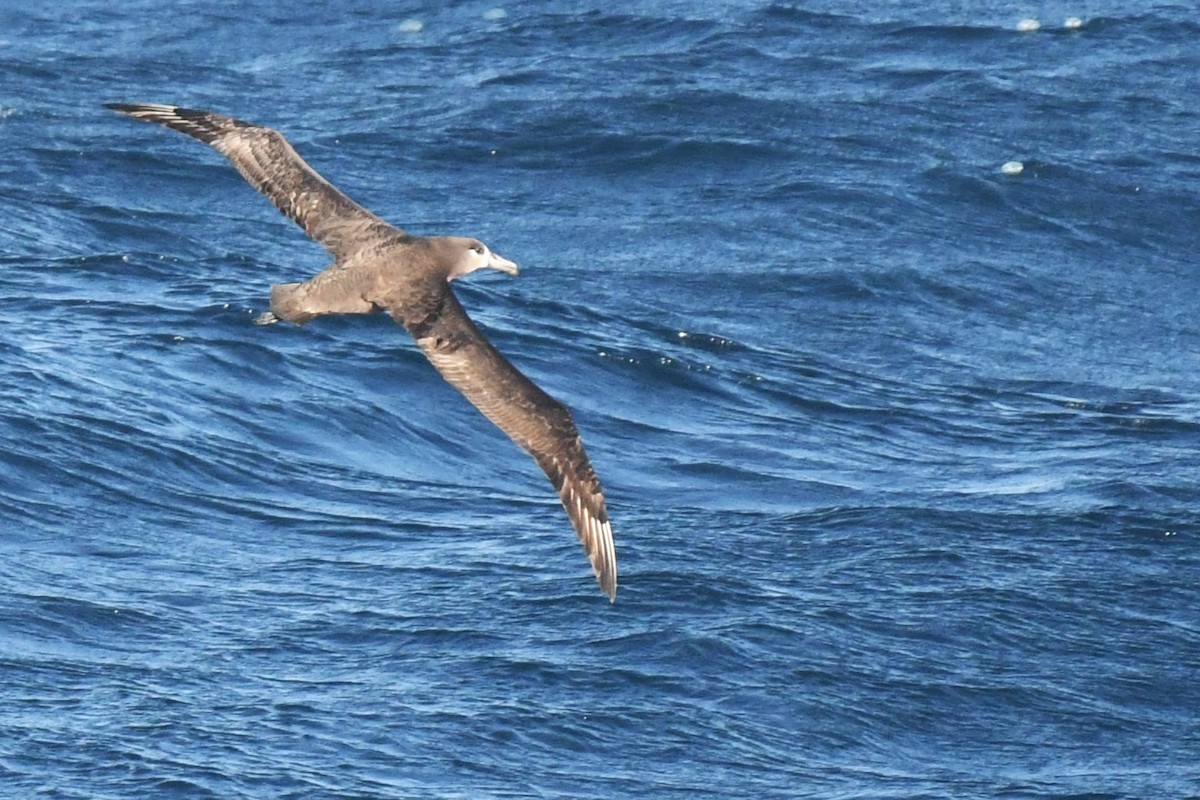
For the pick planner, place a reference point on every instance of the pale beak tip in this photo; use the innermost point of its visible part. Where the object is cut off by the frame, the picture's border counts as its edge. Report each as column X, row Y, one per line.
column 504, row 265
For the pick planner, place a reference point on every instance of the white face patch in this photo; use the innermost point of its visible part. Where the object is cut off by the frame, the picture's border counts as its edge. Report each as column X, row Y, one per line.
column 481, row 255
column 473, row 254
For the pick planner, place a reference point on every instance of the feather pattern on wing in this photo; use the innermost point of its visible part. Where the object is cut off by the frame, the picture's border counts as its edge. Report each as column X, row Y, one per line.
column 270, row 164
column 531, row 418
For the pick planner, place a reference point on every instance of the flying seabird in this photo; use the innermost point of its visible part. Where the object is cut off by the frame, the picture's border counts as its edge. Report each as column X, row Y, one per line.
column 379, row 267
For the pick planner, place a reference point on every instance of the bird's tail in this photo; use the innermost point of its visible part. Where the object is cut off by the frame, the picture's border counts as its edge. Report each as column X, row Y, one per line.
column 285, row 303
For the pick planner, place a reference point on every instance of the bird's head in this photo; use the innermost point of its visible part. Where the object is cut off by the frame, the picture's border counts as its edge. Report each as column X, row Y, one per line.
column 468, row 255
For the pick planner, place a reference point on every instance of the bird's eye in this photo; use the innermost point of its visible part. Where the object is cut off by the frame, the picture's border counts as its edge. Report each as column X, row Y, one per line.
column 478, row 248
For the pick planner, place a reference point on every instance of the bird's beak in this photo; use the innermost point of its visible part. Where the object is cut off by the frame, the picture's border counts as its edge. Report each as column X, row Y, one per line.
column 503, row 264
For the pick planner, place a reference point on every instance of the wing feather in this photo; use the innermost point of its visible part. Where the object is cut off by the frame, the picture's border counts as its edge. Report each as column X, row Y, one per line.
column 533, row 419
column 270, row 164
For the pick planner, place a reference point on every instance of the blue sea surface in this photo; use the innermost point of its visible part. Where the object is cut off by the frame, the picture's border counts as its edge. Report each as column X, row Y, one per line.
column 901, row 449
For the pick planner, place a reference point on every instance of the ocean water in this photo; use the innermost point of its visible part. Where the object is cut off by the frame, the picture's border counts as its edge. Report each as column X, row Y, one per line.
column 902, row 451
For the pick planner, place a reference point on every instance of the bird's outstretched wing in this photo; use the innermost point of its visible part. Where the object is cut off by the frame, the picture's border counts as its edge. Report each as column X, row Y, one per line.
column 269, row 163
column 531, row 418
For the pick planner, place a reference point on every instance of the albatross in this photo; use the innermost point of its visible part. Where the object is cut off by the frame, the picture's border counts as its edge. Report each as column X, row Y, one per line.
column 379, row 267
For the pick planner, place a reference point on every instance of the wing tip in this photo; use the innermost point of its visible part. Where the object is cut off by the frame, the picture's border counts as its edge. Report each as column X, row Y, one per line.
column 606, row 576
column 143, row 110
column 605, row 565
column 611, row 591
column 206, row 126
column 595, row 534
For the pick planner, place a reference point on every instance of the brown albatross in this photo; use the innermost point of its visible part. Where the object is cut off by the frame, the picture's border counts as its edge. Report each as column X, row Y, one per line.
column 378, row 267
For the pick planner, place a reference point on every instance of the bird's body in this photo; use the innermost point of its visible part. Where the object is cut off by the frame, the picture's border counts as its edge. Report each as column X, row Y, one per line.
column 379, row 267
